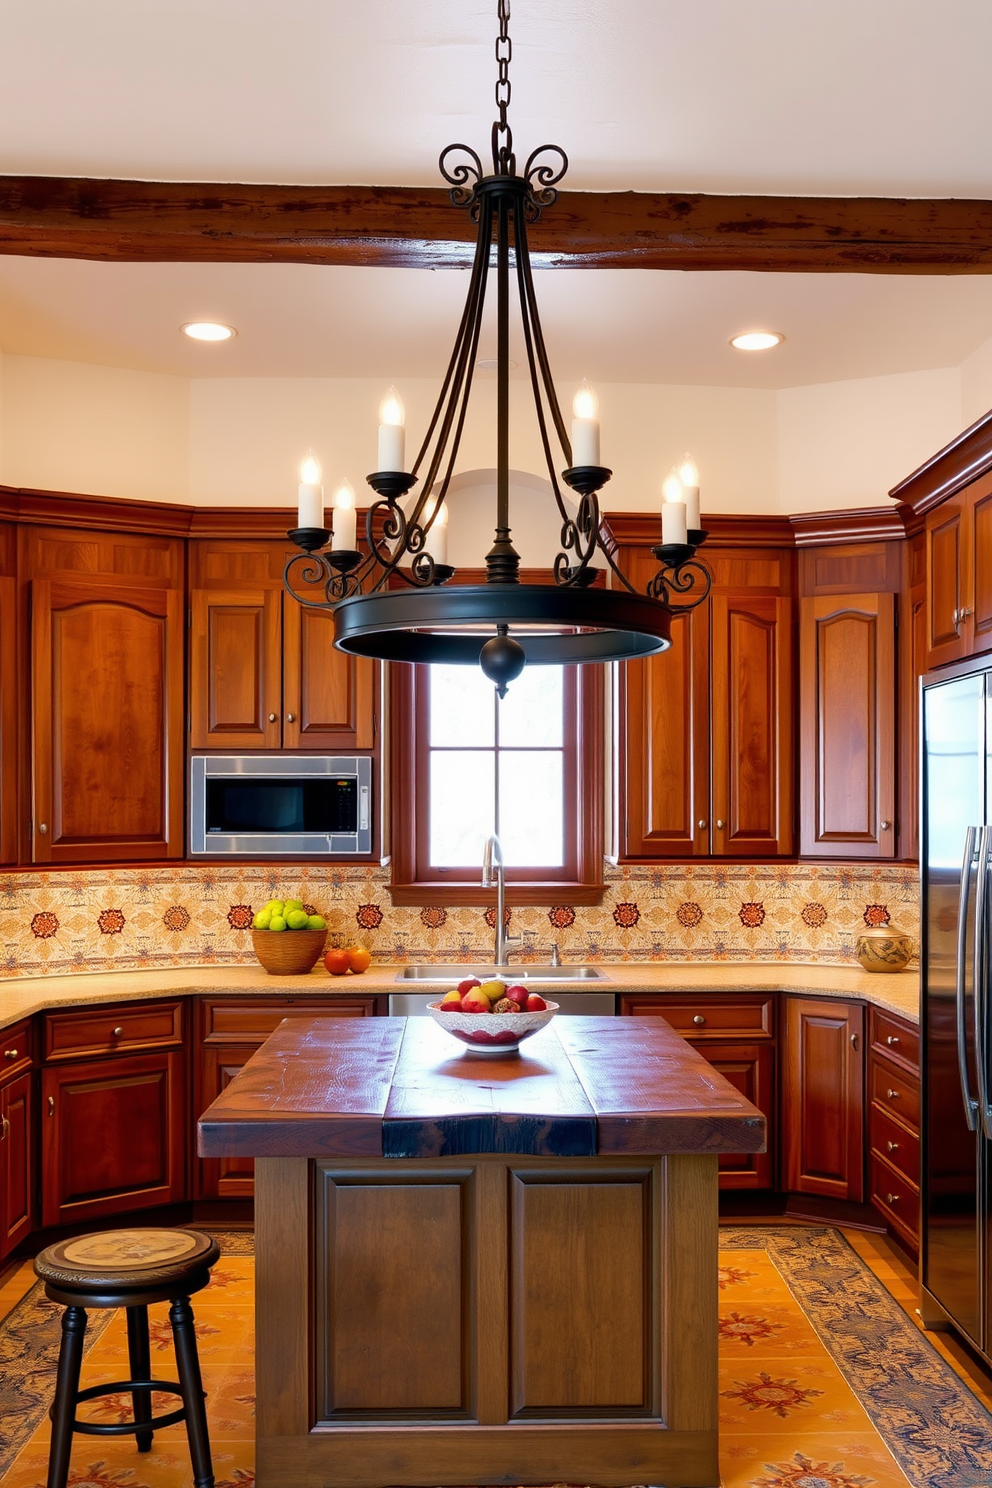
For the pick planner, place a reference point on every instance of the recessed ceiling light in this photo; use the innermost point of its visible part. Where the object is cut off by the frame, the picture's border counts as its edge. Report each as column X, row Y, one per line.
column 757, row 340
column 208, row 330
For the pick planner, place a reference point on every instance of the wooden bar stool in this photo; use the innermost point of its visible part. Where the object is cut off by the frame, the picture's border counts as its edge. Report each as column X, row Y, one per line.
column 130, row 1269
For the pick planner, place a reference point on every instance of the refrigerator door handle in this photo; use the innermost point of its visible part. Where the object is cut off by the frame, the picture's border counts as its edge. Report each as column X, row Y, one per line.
column 970, row 1104
column 981, row 979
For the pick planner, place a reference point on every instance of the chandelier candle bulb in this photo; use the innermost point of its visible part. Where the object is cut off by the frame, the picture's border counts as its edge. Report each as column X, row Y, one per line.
column 437, row 538
column 673, row 509
column 392, row 433
column 310, row 495
column 585, row 427
column 689, row 476
column 344, row 539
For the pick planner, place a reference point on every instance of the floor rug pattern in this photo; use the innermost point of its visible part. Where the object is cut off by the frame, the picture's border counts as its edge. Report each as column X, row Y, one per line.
column 824, row 1380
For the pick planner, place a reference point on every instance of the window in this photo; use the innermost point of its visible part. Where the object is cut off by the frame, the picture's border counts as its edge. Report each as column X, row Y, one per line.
column 529, row 768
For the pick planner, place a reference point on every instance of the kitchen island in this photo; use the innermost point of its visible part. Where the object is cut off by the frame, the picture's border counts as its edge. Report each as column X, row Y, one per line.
column 484, row 1270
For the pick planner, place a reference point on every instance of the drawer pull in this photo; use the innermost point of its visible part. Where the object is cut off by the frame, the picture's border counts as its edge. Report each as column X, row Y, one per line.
column 51, row 1105
column 4, row 1128
column 117, row 1032
column 699, row 1020
column 854, row 1040
column 893, row 1038
column 892, row 1146
column 892, row 1198
column 892, row 1094
column 10, row 1053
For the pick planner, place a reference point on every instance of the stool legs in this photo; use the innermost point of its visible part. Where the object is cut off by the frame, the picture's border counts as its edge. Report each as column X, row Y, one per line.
column 181, row 1318
column 66, row 1389
column 140, row 1359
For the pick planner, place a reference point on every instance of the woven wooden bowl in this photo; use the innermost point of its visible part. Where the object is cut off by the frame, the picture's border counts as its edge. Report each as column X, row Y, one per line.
column 288, row 952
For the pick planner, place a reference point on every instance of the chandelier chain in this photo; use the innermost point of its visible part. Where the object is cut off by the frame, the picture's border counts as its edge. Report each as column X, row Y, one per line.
column 503, row 162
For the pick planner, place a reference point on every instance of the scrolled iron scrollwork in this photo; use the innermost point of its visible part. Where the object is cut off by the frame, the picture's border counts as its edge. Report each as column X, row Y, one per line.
column 311, row 569
column 543, row 178
column 461, row 174
column 580, row 536
column 681, row 579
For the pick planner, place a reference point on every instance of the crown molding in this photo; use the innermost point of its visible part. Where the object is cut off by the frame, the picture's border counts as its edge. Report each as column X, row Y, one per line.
column 857, row 525
column 416, row 227
column 950, row 469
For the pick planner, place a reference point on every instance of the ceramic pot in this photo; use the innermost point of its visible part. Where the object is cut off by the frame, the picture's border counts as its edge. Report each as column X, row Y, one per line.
column 884, row 948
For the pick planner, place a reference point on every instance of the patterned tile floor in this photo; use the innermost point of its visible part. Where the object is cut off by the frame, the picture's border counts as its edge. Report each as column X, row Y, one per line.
column 790, row 1417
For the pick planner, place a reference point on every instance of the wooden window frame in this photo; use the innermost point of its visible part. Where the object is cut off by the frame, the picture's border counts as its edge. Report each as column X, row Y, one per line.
column 580, row 879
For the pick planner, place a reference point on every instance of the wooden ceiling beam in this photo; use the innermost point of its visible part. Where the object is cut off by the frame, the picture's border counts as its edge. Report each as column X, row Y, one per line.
column 416, row 227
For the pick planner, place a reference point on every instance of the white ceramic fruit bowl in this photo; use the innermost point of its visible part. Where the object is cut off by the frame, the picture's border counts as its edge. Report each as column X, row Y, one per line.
column 491, row 1033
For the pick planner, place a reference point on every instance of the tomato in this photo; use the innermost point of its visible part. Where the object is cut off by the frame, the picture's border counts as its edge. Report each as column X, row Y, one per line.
column 359, row 957
column 337, row 961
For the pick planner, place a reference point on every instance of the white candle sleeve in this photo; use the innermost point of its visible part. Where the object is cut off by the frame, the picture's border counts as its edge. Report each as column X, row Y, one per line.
column 437, row 542
column 392, row 447
column 345, row 529
column 691, row 506
column 311, row 506
column 673, row 522
column 585, row 441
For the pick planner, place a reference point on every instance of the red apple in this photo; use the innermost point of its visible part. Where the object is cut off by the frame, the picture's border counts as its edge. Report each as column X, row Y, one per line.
column 517, row 994
column 536, row 1003
column 451, row 1002
column 468, row 984
column 475, row 1002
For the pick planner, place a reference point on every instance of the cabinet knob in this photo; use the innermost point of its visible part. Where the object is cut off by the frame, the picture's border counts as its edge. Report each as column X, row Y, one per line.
column 892, row 1146
column 272, row 717
column 892, row 1094
column 43, row 828
column 4, row 1128
column 699, row 1020
column 854, row 1040
column 719, row 824
column 290, row 717
column 892, row 1198
column 10, row 1053
column 892, row 1038
column 117, row 1032
column 702, row 824
column 886, row 826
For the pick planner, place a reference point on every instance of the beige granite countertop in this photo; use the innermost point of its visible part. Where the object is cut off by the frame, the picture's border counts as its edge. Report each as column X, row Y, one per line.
column 895, row 992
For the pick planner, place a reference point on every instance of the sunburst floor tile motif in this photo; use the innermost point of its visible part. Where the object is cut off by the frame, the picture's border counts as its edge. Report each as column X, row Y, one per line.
column 824, row 1380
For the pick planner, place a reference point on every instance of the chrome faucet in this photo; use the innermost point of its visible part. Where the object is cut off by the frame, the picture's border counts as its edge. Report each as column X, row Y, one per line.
column 493, row 872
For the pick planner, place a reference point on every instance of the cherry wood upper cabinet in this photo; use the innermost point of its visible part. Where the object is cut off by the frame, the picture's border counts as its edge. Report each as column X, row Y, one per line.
column 823, row 1098
column 752, row 748
column 847, row 725
column 8, row 696
column 959, row 575
column 264, row 673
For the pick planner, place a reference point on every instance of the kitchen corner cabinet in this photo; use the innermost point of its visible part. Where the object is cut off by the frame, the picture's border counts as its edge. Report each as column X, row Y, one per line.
column 823, row 1098
column 264, row 673
column 106, row 654
column 8, row 696
column 706, row 727
column 18, row 1163
column 959, row 575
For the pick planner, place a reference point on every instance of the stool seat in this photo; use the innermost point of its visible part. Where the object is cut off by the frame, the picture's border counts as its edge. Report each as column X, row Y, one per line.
column 115, row 1260
column 129, row 1269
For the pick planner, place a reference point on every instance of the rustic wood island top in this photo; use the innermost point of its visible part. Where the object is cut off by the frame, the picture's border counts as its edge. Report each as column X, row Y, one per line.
column 396, row 1087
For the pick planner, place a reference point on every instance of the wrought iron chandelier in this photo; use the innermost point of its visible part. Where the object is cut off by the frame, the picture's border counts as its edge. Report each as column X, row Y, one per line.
column 394, row 601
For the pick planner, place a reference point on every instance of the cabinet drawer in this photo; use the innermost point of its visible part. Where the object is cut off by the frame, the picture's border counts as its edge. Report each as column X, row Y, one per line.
column 895, row 1197
column 107, row 1030
column 893, row 1090
column 894, row 1143
column 707, row 1016
column 895, row 1038
column 15, row 1048
column 230, row 1021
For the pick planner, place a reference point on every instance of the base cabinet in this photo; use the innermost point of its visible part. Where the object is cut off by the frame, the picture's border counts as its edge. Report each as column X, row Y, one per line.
column 823, row 1098
column 113, row 1136
column 18, row 1167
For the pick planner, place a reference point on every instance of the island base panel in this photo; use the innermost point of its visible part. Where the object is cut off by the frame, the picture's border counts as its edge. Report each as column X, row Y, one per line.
column 487, row 1319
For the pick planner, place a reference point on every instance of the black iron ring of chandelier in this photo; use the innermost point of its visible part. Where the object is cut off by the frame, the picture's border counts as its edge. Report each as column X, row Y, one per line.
column 394, row 601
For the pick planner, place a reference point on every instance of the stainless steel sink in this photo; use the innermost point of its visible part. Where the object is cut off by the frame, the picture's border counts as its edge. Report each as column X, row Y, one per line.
column 531, row 972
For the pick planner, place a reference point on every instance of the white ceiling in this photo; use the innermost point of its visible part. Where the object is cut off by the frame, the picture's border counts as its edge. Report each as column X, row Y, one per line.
column 855, row 96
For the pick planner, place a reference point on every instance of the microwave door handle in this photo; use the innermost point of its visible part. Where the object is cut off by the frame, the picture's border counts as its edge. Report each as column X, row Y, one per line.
column 970, row 1104
column 363, row 808
column 980, row 973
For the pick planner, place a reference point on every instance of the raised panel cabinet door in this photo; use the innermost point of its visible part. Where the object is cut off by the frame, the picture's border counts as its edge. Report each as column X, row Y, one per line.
column 947, row 564
column 979, row 598
column 18, row 1165
column 847, row 699
column 235, row 669
column 8, row 720
column 664, row 744
column 750, row 1068
column 328, row 696
column 752, row 724
column 223, row 1177
column 823, row 1098
column 113, row 1136
column 107, row 737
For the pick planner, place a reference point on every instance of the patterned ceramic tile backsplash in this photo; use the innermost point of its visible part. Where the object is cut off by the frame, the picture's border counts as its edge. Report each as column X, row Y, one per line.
column 193, row 915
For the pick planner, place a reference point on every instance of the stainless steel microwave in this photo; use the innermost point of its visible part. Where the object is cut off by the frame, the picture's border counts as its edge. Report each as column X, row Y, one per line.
column 263, row 805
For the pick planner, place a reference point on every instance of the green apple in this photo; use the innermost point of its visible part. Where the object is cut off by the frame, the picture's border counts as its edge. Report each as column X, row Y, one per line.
column 297, row 919
column 291, row 904
column 316, row 922
column 274, row 906
column 261, row 920
column 277, row 922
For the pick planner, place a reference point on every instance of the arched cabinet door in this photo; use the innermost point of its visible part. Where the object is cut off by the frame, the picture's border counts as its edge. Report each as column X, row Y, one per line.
column 107, row 722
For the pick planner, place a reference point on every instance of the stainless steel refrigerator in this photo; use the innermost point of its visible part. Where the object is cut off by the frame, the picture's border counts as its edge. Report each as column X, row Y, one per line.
column 956, row 953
